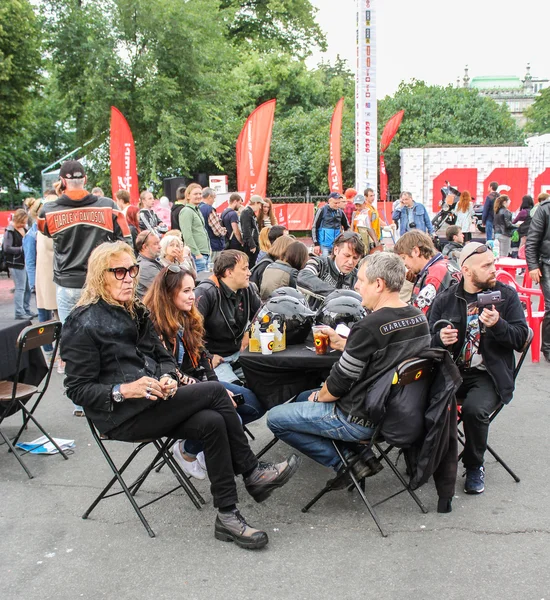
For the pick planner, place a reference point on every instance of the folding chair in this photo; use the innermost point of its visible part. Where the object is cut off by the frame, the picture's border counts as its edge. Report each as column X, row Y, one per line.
column 412, row 371
column 163, row 456
column 495, row 413
column 16, row 396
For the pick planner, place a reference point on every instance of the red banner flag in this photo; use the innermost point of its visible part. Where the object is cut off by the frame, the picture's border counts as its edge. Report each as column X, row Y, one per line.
column 390, row 130
column 123, row 157
column 253, row 145
column 335, row 165
column 383, row 180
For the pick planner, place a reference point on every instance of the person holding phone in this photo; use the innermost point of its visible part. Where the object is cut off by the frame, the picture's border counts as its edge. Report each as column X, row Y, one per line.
column 171, row 302
column 482, row 339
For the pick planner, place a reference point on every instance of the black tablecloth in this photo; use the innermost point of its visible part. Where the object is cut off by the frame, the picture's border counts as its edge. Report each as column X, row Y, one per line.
column 275, row 378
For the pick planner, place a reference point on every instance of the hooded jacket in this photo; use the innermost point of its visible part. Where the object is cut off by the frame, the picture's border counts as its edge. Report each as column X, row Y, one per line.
column 77, row 227
column 497, row 343
column 219, row 336
column 488, row 213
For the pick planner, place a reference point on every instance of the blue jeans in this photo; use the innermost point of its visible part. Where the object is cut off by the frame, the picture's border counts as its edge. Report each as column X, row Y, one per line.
column 489, row 233
column 224, row 371
column 250, row 411
column 310, row 426
column 66, row 300
column 22, row 296
column 325, row 251
column 45, row 315
column 202, row 263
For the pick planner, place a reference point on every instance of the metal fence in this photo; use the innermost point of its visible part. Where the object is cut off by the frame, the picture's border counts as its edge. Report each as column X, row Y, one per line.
column 307, row 197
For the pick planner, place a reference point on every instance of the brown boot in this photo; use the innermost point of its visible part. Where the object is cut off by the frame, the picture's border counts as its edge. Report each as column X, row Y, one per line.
column 266, row 477
column 231, row 527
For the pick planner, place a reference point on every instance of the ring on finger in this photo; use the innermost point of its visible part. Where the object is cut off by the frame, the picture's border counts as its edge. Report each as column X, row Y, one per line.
column 148, row 396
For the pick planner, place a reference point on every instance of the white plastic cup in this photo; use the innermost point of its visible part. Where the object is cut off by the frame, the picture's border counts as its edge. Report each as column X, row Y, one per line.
column 266, row 340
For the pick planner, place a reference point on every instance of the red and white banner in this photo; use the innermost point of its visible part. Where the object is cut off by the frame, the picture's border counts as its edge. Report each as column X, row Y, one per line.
column 253, row 145
column 390, row 129
column 123, row 157
column 295, row 217
column 383, row 180
column 335, row 164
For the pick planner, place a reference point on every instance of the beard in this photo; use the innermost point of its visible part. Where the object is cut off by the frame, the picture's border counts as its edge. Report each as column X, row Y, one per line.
column 483, row 284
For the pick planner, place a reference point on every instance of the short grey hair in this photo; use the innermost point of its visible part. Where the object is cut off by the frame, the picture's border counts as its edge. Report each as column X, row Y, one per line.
column 168, row 240
column 408, row 194
column 207, row 192
column 386, row 266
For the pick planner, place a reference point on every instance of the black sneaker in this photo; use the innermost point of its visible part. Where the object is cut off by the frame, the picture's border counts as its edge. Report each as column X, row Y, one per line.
column 266, row 477
column 475, row 481
column 232, row 527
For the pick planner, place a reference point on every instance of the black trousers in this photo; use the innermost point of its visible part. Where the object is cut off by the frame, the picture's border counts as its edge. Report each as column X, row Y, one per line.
column 252, row 256
column 479, row 400
column 202, row 412
column 545, row 287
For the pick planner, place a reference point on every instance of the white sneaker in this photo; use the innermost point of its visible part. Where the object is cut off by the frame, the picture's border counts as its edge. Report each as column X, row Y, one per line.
column 202, row 461
column 192, row 469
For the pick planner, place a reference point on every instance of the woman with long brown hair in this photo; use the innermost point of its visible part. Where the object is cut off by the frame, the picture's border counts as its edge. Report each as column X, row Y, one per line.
column 503, row 225
column 171, row 302
column 464, row 212
column 267, row 215
column 126, row 380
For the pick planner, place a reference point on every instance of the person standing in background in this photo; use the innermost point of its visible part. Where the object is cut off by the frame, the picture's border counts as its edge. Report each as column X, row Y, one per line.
column 503, row 227
column 148, row 219
column 328, row 224
column 488, row 215
column 177, row 206
column 249, row 228
column 267, row 216
column 230, row 220
column 464, row 212
column 29, row 243
column 349, row 206
column 122, row 199
column 214, row 227
column 193, row 227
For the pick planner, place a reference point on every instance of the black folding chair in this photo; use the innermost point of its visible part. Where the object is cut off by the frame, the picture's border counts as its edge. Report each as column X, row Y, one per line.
column 163, row 456
column 412, row 371
column 16, row 396
column 496, row 412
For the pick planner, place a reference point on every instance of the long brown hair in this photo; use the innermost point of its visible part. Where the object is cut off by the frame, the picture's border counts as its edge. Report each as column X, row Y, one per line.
column 167, row 319
column 464, row 202
column 499, row 202
column 270, row 214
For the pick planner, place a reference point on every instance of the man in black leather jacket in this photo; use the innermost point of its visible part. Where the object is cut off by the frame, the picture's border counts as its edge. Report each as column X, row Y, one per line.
column 323, row 275
column 537, row 253
column 482, row 343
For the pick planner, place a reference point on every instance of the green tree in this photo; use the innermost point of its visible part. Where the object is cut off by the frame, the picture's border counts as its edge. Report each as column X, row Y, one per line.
column 20, row 62
column 538, row 114
column 443, row 116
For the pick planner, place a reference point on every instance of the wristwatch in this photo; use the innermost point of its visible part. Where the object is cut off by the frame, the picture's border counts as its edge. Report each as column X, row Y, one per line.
column 116, row 394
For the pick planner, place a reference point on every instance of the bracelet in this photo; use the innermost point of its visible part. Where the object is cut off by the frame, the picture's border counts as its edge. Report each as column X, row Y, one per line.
column 316, row 397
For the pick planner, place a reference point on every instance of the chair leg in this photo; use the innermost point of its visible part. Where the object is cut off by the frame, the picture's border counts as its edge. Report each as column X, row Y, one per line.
column 248, row 433
column 498, row 459
column 30, row 417
column 12, row 449
column 267, row 447
column 118, row 476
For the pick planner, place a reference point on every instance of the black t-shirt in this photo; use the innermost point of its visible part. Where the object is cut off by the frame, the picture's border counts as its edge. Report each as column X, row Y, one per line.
column 377, row 343
column 230, row 216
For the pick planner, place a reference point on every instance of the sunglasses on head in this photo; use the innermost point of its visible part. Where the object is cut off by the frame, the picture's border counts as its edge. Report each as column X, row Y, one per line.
column 177, row 269
column 120, row 272
column 478, row 250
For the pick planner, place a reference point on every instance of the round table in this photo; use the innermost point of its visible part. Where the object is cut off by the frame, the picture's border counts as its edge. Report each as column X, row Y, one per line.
column 275, row 378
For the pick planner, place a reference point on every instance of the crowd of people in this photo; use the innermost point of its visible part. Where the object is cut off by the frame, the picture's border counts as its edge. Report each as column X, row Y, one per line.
column 156, row 316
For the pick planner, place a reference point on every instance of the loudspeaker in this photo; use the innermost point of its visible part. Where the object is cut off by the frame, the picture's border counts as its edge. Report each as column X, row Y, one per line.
column 171, row 184
column 202, row 179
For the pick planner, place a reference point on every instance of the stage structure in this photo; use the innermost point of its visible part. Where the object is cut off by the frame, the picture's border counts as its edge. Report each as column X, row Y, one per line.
column 366, row 136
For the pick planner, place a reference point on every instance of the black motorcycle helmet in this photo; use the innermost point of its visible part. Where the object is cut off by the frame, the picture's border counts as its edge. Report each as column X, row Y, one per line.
column 297, row 317
column 345, row 309
column 341, row 294
column 288, row 291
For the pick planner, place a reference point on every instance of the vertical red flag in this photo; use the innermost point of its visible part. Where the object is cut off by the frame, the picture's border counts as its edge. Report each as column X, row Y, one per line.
column 123, row 157
column 335, row 164
column 253, row 145
column 390, row 129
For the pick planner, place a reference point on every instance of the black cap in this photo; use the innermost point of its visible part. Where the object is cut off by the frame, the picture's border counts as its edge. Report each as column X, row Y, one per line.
column 72, row 169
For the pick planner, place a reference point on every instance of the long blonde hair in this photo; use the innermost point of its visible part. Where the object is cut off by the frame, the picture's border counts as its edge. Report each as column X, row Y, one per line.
column 98, row 263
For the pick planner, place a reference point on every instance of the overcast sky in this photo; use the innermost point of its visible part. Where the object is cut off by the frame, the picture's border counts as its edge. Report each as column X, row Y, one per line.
column 433, row 40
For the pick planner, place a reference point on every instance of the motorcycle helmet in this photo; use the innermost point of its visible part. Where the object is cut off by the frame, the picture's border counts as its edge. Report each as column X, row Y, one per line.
column 341, row 294
column 288, row 291
column 345, row 309
column 297, row 317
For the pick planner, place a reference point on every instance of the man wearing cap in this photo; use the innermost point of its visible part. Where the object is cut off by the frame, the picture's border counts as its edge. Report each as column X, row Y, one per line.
column 432, row 271
column 249, row 228
column 482, row 344
column 328, row 224
column 148, row 246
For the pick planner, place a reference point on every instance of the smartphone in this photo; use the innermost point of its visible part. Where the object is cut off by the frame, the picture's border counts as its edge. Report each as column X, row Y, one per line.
column 238, row 399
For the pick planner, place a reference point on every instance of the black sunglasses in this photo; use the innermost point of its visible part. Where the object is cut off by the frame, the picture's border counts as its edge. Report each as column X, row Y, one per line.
column 478, row 250
column 177, row 269
column 120, row 272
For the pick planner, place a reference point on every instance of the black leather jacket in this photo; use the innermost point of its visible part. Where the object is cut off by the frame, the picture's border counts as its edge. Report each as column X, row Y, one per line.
column 321, row 276
column 104, row 346
column 497, row 344
column 537, row 247
column 77, row 227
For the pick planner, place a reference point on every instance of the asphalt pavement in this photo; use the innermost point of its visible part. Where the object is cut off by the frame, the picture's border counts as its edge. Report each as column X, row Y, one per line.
column 492, row 546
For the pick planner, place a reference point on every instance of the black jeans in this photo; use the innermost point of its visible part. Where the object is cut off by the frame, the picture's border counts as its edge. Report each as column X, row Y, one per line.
column 479, row 400
column 200, row 412
column 545, row 287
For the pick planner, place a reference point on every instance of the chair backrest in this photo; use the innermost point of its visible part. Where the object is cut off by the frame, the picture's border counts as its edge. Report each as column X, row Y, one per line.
column 35, row 336
column 523, row 352
column 505, row 277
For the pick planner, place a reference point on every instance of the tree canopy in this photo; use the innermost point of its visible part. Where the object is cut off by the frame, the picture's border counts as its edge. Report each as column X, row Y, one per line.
column 538, row 114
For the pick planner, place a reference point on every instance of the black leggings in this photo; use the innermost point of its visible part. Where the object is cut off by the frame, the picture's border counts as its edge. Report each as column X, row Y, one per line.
column 202, row 412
